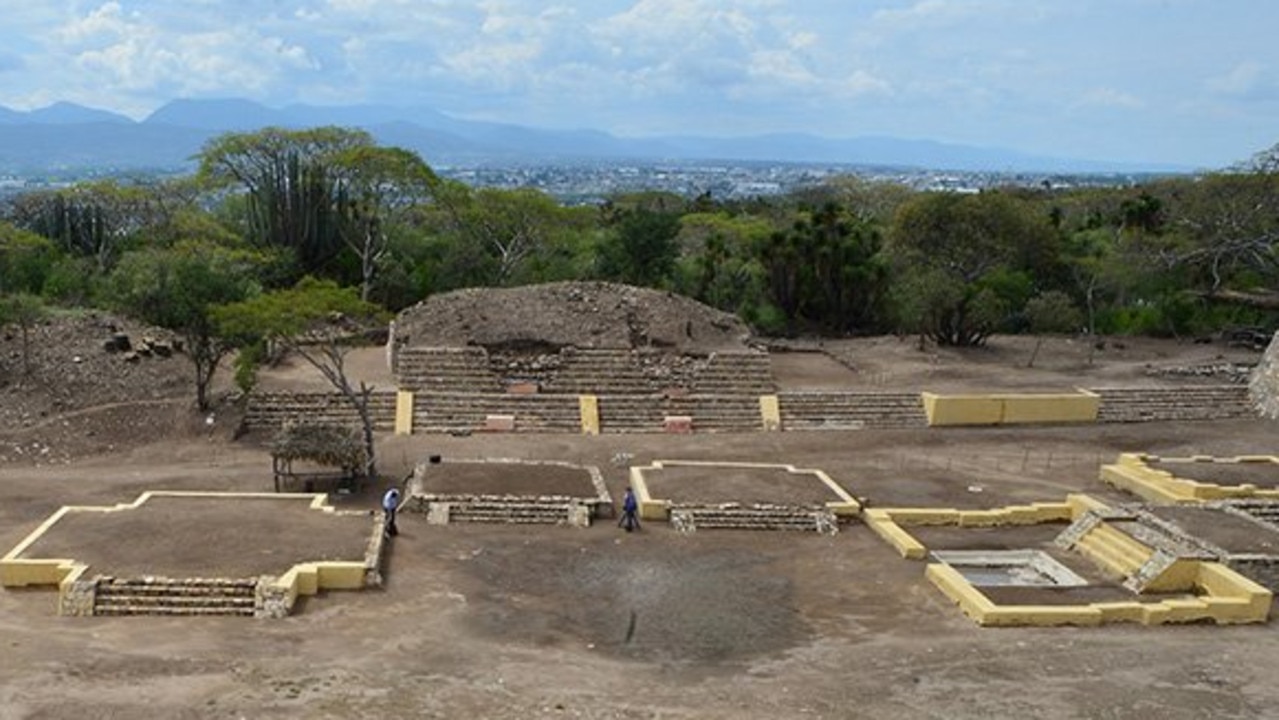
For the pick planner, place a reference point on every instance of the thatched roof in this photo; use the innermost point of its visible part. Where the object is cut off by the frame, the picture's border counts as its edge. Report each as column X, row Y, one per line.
column 332, row 445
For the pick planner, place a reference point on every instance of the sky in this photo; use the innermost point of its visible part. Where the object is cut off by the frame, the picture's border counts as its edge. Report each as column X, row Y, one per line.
column 1186, row 82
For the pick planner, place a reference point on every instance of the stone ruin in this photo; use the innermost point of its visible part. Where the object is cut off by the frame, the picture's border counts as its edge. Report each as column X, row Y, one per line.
column 1264, row 387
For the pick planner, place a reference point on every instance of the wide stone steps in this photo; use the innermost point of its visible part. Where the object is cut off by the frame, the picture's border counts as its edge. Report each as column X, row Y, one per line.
column 1267, row 511
column 590, row 371
column 844, row 410
column 689, row 519
column 509, row 513
column 174, row 597
column 710, row 413
column 446, row 369
column 438, row 412
column 268, row 411
column 1191, row 402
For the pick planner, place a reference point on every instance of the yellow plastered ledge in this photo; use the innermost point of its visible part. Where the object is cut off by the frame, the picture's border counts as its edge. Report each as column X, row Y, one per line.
column 652, row 508
column 1132, row 473
column 1080, row 406
column 890, row 523
column 1225, row 598
column 16, row 571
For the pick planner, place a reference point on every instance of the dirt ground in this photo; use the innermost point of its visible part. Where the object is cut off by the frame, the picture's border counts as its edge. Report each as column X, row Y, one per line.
column 489, row 478
column 745, row 485
column 206, row 537
column 498, row 622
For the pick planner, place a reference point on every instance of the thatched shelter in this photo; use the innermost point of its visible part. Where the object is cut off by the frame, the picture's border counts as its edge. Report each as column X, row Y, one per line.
column 335, row 446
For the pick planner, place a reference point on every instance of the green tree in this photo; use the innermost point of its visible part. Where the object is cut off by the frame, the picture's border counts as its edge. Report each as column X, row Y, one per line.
column 378, row 190
column 97, row 220
column 641, row 248
column 24, row 310
column 318, row 321
column 176, row 288
column 827, row 270
column 26, row 260
column 953, row 255
column 289, row 180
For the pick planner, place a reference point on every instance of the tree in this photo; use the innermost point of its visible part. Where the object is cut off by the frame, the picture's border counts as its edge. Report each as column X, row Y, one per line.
column 827, row 269
column 956, row 252
column 96, row 220
column 500, row 237
column 642, row 247
column 1050, row 312
column 177, row 288
column 26, row 260
column 377, row 190
column 24, row 310
column 289, row 178
column 318, row 321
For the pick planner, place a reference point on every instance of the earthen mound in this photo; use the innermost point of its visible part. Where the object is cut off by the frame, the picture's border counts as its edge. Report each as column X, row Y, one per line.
column 577, row 314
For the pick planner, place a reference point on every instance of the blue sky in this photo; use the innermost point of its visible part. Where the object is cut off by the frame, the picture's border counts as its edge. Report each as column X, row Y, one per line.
column 1192, row 82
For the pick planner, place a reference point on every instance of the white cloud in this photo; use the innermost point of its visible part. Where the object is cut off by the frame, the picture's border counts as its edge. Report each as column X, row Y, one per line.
column 1106, row 97
column 1242, row 80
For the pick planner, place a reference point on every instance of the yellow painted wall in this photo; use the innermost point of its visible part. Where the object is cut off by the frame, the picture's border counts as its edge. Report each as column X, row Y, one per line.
column 404, row 412
column 1010, row 409
column 770, row 411
column 589, row 407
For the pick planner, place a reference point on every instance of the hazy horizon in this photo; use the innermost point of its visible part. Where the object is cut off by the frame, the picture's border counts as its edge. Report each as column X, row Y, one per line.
column 1175, row 82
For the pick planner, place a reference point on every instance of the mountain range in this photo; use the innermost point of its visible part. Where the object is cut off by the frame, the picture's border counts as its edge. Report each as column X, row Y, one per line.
column 66, row 136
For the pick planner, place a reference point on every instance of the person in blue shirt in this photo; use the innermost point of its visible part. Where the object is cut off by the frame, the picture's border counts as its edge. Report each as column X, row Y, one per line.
column 630, row 508
column 391, row 503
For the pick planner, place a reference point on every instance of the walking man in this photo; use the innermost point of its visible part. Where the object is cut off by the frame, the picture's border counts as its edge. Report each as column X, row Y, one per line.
column 630, row 508
column 391, row 503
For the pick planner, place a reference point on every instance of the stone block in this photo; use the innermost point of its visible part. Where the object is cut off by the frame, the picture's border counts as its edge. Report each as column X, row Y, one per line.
column 499, row 423
column 522, row 388
column 678, row 424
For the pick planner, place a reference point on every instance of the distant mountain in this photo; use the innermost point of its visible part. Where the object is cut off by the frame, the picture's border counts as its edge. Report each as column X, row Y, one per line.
column 65, row 135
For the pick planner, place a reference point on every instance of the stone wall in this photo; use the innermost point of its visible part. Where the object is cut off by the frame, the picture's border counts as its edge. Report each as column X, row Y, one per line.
column 1264, row 386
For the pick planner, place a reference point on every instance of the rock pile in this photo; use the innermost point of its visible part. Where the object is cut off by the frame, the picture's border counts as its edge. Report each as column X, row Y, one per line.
column 542, row 319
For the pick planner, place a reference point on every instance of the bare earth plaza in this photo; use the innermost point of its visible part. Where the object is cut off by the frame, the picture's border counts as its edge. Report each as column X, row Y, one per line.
column 840, row 529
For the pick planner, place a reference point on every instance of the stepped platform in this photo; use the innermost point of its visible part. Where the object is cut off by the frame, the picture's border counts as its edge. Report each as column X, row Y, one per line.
column 446, row 369
column 691, row 517
column 247, row 554
column 828, row 410
column 1187, row 403
column 509, row 492
column 165, row 596
column 269, row 411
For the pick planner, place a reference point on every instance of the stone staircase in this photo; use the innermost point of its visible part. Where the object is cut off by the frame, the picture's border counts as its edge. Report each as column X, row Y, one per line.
column 446, row 369
column 448, row 412
column 690, row 518
column 1266, row 511
column 167, row 596
column 1190, row 402
column 850, row 410
column 268, row 411
column 503, row 510
column 739, row 373
column 587, row 371
column 710, row 413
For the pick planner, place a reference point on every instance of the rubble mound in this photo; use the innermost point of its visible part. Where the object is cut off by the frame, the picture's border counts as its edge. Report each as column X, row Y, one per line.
column 90, row 381
column 551, row 316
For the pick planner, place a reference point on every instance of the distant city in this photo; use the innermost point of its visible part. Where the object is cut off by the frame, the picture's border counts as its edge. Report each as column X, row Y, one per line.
column 591, row 182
